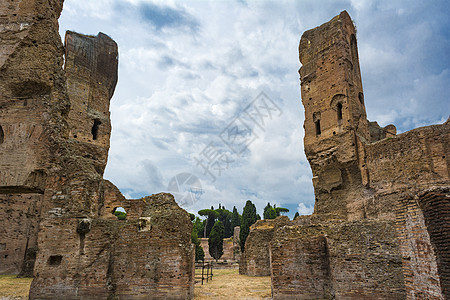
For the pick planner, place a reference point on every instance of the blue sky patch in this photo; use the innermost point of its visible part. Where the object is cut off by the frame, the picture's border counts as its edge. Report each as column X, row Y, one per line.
column 166, row 17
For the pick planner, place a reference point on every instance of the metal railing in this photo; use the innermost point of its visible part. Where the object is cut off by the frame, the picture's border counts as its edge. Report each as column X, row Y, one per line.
column 207, row 271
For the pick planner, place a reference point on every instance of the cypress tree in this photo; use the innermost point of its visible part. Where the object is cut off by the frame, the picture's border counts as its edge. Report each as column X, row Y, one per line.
column 248, row 219
column 296, row 215
column 225, row 218
column 215, row 241
column 269, row 212
column 235, row 219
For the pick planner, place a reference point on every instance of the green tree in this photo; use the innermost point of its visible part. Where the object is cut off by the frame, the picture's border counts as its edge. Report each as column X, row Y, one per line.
column 225, row 218
column 121, row 215
column 248, row 219
column 269, row 212
column 192, row 216
column 235, row 219
column 199, row 253
column 279, row 210
column 211, row 217
column 198, row 226
column 215, row 241
column 296, row 215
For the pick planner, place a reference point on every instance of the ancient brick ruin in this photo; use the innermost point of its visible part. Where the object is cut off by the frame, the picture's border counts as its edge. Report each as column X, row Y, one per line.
column 380, row 227
column 57, row 209
column 255, row 260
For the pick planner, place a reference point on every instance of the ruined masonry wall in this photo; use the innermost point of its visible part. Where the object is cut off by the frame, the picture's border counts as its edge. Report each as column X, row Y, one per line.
column 54, row 142
column 380, row 224
column 32, row 99
column 130, row 258
column 18, row 242
column 342, row 260
column 255, row 261
column 227, row 249
column 420, row 156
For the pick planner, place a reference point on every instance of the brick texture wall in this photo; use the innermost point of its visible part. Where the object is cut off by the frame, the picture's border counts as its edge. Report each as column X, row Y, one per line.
column 337, row 260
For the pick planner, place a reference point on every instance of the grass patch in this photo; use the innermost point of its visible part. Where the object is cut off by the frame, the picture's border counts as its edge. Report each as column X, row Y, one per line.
column 11, row 286
column 228, row 284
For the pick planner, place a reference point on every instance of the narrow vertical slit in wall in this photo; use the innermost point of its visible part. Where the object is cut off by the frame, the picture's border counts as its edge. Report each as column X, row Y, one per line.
column 94, row 130
column 339, row 113
column 354, row 52
column 82, row 238
column 2, row 135
column 318, row 132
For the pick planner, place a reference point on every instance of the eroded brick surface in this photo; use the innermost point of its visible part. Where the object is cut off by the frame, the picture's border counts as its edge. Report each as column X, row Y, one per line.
column 380, row 223
column 54, row 142
column 255, row 260
column 342, row 260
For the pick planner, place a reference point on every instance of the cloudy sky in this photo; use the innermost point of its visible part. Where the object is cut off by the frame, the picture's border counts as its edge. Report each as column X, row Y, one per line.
column 211, row 89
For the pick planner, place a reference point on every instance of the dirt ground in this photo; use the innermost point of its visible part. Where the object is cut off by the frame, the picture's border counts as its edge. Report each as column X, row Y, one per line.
column 15, row 288
column 226, row 284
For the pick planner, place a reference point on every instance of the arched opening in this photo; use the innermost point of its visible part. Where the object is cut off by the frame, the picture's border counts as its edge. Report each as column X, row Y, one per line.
column 120, row 213
column 339, row 113
column 435, row 206
column 94, row 130
column 2, row 135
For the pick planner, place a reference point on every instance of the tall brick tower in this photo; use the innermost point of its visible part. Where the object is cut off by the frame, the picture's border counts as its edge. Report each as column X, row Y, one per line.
column 335, row 116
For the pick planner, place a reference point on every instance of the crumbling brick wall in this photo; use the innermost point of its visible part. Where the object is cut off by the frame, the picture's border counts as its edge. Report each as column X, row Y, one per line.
column 133, row 258
column 255, row 260
column 32, row 99
column 236, row 244
column 54, row 142
column 337, row 260
column 227, row 249
column 368, row 181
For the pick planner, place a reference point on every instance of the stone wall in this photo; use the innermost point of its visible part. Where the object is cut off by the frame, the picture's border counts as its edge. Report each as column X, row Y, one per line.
column 18, row 242
column 32, row 101
column 337, row 260
column 54, row 142
column 380, row 223
column 255, row 260
column 133, row 258
column 236, row 244
column 227, row 249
